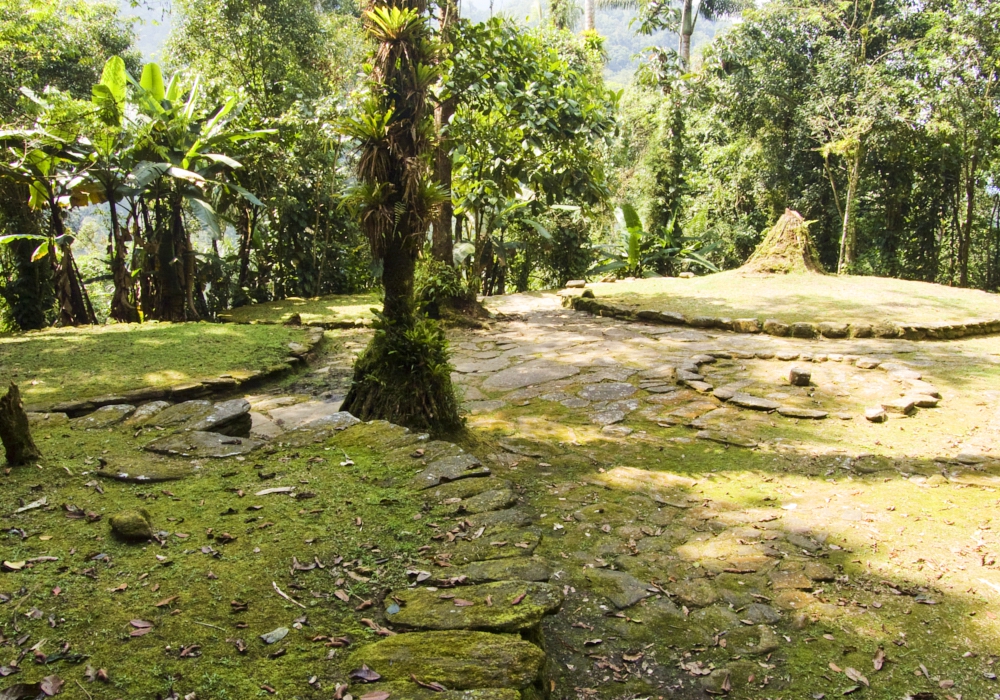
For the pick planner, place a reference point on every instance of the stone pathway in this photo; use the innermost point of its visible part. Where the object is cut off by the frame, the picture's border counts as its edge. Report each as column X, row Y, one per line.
column 664, row 511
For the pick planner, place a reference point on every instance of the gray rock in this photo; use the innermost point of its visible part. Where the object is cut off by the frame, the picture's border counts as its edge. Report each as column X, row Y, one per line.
column 275, row 636
column 492, row 606
column 876, row 415
column 621, row 588
column 803, row 330
column 616, row 430
column 528, row 373
column 607, row 417
column 463, row 466
column 607, row 391
column 787, row 356
column 754, row 403
column 905, row 405
column 697, row 593
column 924, row 401
column 104, row 417
column 203, row 444
column 517, row 569
column 144, row 413
column 796, row 412
column 867, row 363
column 833, row 330
column 660, row 372
column 799, row 376
column 746, row 325
column 576, row 284
column 700, row 386
column 505, row 544
column 178, row 415
column 726, row 438
column 793, row 580
column 226, row 417
column 761, row 614
column 478, row 407
column 499, row 519
column 773, row 327
column 686, row 375
column 494, row 499
column 459, row 659
column 312, row 414
column 38, row 421
column 705, row 359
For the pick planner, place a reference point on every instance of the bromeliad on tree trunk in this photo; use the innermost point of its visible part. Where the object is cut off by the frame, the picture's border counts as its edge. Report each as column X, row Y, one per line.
column 403, row 375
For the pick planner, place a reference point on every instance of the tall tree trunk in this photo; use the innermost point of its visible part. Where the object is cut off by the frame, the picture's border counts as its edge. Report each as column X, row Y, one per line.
column 847, row 237
column 965, row 240
column 123, row 308
column 171, row 298
column 442, row 240
column 687, row 29
column 74, row 304
column 588, row 15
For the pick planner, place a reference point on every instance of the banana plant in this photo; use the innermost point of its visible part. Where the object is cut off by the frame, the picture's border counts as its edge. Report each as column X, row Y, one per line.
column 640, row 253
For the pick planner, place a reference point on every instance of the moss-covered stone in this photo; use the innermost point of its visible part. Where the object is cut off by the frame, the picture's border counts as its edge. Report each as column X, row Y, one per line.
column 411, row 691
column 459, row 660
column 516, row 569
column 132, row 525
column 103, row 417
column 503, row 606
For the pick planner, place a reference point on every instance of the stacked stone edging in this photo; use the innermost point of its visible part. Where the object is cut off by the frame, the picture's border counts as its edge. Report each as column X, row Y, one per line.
column 298, row 354
column 803, row 329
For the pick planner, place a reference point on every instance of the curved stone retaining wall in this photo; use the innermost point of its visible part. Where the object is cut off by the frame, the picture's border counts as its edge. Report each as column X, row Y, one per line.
column 804, row 329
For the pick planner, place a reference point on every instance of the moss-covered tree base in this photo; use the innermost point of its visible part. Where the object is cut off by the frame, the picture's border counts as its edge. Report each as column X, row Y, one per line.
column 403, row 376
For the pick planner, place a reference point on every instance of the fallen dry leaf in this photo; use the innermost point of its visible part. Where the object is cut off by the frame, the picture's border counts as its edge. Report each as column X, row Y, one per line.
column 364, row 675
column 166, row 601
column 856, row 676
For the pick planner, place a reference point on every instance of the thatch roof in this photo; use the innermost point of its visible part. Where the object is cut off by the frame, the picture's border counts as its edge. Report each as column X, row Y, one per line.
column 786, row 248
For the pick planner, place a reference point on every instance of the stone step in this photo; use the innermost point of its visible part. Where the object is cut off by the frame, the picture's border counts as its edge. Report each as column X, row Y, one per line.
column 458, row 660
column 202, row 444
column 502, row 606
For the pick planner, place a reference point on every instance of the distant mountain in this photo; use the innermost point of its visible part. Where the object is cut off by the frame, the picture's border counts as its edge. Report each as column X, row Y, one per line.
column 153, row 22
column 152, row 25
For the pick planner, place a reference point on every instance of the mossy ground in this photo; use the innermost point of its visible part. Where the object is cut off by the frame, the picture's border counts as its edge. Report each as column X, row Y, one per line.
column 63, row 364
column 915, row 550
column 804, row 297
column 333, row 309
column 358, row 513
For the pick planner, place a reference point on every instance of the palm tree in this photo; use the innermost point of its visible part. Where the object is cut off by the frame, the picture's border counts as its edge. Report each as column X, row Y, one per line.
column 403, row 375
column 590, row 6
column 710, row 10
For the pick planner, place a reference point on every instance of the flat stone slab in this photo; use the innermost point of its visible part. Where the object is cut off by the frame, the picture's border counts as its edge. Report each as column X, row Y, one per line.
column 518, row 569
column 229, row 417
column 459, row 660
column 401, row 690
column 104, row 417
column 471, row 366
column 446, row 469
column 494, row 499
column 498, row 545
column 503, row 606
column 790, row 580
column 488, row 406
column 607, row 391
column 726, row 438
column 311, row 414
column 145, row 412
column 621, row 588
column 754, row 403
column 177, row 415
column 795, row 412
column 203, row 444
column 608, row 417
column 905, row 406
column 39, row 421
column 528, row 373
column 502, row 519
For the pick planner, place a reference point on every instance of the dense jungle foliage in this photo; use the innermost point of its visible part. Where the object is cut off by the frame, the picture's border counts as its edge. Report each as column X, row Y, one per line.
column 227, row 174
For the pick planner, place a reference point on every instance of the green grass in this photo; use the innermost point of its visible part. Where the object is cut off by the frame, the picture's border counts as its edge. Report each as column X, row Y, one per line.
column 807, row 297
column 337, row 308
column 63, row 364
column 357, row 512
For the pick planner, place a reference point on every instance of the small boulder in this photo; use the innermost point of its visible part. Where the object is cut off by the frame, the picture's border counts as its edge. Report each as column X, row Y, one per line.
column 773, row 327
column 803, row 330
column 876, row 415
column 746, row 325
column 576, row 284
column 867, row 363
column 132, row 525
column 799, row 376
column 905, row 405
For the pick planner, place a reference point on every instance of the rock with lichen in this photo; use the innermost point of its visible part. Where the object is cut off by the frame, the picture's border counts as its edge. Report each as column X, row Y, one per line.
column 132, row 525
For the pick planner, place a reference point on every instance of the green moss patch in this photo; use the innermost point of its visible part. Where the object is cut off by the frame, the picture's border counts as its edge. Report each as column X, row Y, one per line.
column 63, row 364
column 804, row 297
column 337, row 309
